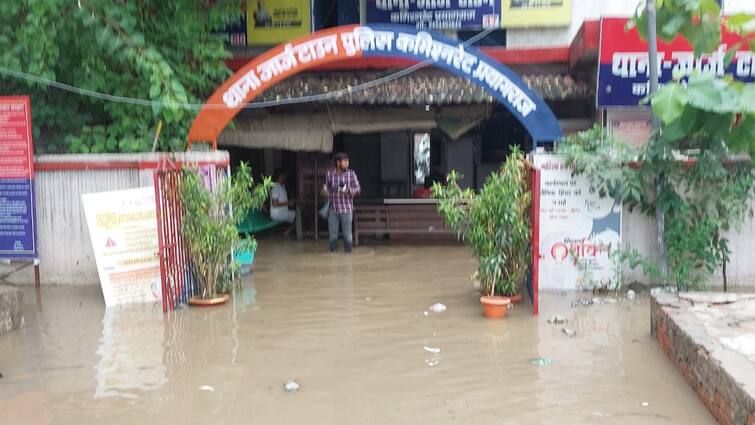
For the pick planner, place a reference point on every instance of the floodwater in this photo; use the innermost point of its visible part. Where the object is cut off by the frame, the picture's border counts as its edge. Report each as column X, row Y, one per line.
column 353, row 332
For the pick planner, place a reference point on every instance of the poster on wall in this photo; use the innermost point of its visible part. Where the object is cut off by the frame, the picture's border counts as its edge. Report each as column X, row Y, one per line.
column 535, row 13
column 436, row 15
column 123, row 229
column 579, row 230
column 623, row 74
column 271, row 22
column 18, row 220
column 632, row 127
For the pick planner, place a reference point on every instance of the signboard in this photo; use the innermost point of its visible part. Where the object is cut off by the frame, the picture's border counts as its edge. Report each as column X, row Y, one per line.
column 271, row 22
column 624, row 72
column 235, row 33
column 355, row 41
column 536, row 13
column 18, row 220
column 633, row 126
column 436, row 14
column 123, row 229
column 579, row 230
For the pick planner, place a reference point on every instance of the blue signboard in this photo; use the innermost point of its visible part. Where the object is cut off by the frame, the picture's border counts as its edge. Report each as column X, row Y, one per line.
column 436, row 14
column 18, row 231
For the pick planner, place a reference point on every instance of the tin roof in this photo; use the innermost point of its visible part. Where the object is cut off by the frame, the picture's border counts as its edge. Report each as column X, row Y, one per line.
column 424, row 87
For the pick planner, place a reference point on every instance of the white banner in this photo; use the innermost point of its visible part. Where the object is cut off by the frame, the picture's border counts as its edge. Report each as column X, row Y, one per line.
column 123, row 229
column 579, row 230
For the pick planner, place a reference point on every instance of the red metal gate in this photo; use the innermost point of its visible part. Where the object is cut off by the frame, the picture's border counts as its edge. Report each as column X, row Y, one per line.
column 175, row 273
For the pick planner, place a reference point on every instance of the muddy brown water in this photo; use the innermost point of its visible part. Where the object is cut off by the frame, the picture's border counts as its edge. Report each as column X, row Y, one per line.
column 352, row 331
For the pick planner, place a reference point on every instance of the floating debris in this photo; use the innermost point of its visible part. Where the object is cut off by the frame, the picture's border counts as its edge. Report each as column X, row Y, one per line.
column 631, row 295
column 581, row 302
column 557, row 320
column 434, row 350
column 426, row 313
column 206, row 388
column 541, row 361
column 645, row 404
column 368, row 298
column 291, row 386
column 571, row 333
column 438, row 308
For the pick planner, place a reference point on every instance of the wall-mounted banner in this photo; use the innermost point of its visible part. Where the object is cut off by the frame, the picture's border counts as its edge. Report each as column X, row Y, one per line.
column 355, row 41
column 624, row 72
column 18, row 218
column 270, row 22
column 536, row 13
column 123, row 228
column 579, row 230
column 235, row 33
column 436, row 14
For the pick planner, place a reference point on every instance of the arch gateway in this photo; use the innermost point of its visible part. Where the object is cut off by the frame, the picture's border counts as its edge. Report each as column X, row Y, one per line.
column 355, row 41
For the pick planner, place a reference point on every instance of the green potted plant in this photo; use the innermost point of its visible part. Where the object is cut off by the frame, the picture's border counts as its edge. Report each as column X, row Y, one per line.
column 495, row 223
column 208, row 225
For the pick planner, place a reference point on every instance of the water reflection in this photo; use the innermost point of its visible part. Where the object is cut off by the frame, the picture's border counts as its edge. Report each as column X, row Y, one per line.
column 131, row 352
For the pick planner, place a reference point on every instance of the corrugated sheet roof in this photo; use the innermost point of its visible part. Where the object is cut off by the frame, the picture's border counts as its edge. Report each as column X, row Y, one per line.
column 417, row 88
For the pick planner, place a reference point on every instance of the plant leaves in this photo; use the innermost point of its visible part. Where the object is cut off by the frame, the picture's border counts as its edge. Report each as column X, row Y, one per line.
column 669, row 102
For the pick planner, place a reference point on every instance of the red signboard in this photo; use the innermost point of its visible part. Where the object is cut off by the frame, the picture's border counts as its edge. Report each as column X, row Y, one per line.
column 18, row 230
column 623, row 73
column 16, row 151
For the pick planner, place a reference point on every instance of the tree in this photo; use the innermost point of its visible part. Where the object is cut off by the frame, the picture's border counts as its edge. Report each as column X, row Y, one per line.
column 700, row 157
column 163, row 51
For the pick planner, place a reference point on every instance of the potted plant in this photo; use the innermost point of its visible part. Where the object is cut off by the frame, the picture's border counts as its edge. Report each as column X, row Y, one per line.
column 495, row 224
column 208, row 225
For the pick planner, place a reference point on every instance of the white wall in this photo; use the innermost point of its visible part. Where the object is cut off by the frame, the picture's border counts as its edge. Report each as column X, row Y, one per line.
column 582, row 10
column 65, row 249
column 585, row 10
column 731, row 7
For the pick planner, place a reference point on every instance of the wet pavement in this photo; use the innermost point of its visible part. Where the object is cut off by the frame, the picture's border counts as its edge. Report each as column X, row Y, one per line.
column 356, row 333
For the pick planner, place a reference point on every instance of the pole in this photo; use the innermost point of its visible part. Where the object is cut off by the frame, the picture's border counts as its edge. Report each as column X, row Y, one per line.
column 660, row 219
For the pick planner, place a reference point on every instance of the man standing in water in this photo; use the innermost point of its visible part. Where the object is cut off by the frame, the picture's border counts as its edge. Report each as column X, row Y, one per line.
column 341, row 185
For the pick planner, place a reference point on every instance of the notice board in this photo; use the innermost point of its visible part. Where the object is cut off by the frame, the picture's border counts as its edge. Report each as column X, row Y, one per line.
column 579, row 230
column 18, row 221
column 123, row 229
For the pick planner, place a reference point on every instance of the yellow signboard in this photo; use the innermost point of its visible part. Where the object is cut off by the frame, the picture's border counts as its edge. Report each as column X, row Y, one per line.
column 271, row 22
column 535, row 13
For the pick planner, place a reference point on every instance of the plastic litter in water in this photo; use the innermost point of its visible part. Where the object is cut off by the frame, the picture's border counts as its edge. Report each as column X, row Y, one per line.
column 541, row 361
column 425, row 313
column 631, row 295
column 645, row 404
column 291, row 386
column 438, row 308
column 206, row 388
column 434, row 350
column 557, row 320
column 571, row 333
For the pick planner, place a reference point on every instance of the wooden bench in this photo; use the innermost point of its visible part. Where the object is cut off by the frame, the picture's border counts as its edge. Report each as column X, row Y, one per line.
column 398, row 217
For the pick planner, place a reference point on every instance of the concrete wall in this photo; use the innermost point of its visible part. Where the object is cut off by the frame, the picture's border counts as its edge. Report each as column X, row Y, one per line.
column 65, row 251
column 638, row 230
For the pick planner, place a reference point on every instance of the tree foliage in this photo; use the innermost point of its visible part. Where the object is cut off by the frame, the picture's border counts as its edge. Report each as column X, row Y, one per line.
column 162, row 51
column 700, row 157
column 210, row 217
column 495, row 223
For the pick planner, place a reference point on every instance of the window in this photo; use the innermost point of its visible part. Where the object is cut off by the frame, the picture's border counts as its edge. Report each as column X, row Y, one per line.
column 421, row 157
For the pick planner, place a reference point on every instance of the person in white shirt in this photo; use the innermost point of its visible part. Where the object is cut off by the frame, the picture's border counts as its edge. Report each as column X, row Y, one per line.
column 279, row 202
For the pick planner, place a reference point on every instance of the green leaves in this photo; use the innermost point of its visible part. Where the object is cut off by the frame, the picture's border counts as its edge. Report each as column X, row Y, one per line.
column 160, row 51
column 669, row 103
column 495, row 223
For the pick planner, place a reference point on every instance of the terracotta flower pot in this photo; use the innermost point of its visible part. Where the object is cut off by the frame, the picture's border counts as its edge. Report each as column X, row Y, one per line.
column 495, row 307
column 201, row 302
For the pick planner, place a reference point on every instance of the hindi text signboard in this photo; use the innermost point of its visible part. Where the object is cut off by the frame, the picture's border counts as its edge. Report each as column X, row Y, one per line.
column 18, row 224
column 123, row 229
column 436, row 15
column 623, row 74
column 579, row 230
